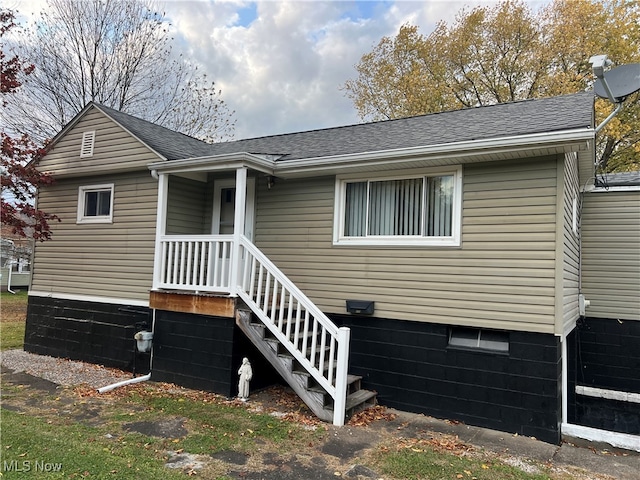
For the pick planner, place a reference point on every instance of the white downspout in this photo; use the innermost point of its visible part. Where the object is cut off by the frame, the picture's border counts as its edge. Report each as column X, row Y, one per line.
column 9, row 277
column 163, row 188
column 113, row 386
column 142, row 378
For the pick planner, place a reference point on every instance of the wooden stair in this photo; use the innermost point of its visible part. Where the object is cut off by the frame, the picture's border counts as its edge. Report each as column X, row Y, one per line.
column 309, row 391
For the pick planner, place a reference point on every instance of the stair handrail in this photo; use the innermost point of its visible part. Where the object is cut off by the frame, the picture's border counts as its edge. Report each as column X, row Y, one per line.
column 336, row 386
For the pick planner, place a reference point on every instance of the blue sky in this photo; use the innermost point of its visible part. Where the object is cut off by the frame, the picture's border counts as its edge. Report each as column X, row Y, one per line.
column 281, row 65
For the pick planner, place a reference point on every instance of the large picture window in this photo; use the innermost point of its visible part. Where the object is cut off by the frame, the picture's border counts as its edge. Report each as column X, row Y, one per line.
column 418, row 208
column 95, row 204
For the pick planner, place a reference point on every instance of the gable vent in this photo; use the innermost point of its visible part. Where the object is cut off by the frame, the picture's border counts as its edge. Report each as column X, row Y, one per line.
column 88, row 139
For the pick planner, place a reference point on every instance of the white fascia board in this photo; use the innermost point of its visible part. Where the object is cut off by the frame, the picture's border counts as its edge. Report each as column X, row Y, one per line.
column 230, row 161
column 582, row 138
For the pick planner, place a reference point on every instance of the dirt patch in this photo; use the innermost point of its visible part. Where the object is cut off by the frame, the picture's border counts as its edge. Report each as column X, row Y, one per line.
column 165, row 428
column 335, row 452
column 229, row 456
column 31, row 381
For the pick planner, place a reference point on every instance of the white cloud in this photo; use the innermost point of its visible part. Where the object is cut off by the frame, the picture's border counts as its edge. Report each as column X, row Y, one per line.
column 280, row 64
column 283, row 72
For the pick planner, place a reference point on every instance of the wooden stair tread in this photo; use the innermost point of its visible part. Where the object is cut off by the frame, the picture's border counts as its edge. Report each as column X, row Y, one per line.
column 312, row 394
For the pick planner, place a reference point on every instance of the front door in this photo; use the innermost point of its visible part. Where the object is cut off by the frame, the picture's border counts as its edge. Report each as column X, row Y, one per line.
column 224, row 207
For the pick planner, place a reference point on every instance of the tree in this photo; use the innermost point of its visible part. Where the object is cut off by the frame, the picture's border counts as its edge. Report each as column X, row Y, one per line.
column 20, row 178
column 505, row 53
column 117, row 53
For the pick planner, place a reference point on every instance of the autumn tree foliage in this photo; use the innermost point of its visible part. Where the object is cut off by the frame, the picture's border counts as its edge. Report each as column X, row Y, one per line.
column 119, row 53
column 502, row 53
column 18, row 154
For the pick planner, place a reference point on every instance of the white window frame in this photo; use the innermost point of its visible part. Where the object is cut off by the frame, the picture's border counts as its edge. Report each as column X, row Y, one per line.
column 82, row 195
column 453, row 240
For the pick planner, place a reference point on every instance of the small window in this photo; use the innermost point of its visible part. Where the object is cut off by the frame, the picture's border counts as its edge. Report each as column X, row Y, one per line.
column 95, row 204
column 416, row 208
column 88, row 140
column 479, row 339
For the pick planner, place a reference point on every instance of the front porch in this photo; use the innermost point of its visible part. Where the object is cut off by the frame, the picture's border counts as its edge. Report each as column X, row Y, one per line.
column 223, row 274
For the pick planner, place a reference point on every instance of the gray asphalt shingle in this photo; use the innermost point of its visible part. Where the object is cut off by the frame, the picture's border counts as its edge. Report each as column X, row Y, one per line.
column 525, row 117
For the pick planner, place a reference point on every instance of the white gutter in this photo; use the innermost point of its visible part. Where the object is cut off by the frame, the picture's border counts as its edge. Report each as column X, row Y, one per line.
column 302, row 166
column 231, row 161
column 458, row 150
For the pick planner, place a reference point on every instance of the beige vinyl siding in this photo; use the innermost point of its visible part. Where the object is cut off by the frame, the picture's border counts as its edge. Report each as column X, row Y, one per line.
column 99, row 260
column 503, row 275
column 186, row 207
column 114, row 149
column 571, row 249
column 611, row 254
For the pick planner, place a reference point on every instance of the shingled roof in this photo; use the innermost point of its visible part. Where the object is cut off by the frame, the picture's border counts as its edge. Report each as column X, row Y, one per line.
column 567, row 112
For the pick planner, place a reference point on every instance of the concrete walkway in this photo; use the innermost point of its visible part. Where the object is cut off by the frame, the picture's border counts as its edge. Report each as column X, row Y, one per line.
column 600, row 459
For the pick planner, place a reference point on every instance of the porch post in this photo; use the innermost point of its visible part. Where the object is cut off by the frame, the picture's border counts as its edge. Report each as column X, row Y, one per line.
column 238, row 227
column 161, row 227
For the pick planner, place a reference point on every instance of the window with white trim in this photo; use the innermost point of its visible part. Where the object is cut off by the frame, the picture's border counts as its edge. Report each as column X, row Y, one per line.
column 95, row 204
column 415, row 208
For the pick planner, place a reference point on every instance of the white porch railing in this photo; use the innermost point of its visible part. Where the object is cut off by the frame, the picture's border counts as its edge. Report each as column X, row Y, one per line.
column 194, row 262
column 205, row 263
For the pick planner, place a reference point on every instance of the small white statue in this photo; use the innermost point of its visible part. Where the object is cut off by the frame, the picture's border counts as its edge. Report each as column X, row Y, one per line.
column 245, row 373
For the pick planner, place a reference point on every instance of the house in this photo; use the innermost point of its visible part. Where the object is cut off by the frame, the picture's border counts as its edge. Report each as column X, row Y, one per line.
column 435, row 260
column 604, row 354
column 15, row 255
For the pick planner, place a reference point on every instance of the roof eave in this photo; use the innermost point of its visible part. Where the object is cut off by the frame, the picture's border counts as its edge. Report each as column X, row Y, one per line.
column 214, row 163
column 442, row 154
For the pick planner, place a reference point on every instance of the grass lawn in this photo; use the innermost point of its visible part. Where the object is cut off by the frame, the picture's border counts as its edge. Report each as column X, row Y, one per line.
column 75, row 432
column 13, row 311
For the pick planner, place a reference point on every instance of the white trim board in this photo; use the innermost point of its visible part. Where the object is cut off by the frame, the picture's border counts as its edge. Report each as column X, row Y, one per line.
column 608, row 394
column 89, row 298
column 615, row 439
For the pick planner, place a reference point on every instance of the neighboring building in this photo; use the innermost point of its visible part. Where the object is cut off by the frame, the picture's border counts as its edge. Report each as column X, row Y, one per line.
column 606, row 358
column 448, row 244
column 15, row 260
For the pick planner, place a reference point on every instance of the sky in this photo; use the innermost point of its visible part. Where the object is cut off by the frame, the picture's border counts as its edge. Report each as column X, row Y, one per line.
column 281, row 65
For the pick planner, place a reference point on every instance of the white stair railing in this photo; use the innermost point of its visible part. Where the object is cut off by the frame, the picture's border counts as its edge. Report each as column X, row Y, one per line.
column 308, row 334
